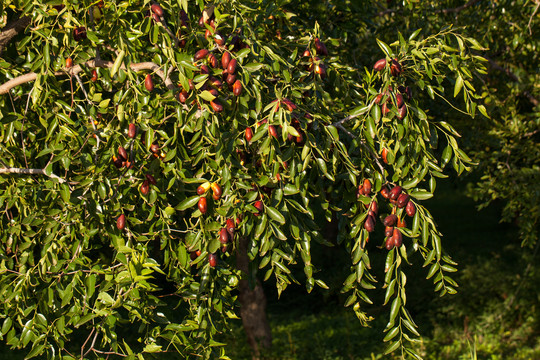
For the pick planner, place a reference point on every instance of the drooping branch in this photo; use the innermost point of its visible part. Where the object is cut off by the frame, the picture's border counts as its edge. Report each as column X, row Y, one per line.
column 4, row 88
column 10, row 170
column 11, row 30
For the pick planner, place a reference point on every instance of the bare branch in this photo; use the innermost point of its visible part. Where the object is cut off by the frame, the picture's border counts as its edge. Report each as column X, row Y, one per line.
column 4, row 88
column 533, row 15
column 11, row 30
column 91, row 345
column 350, row 117
column 10, row 170
column 512, row 76
column 457, row 9
column 529, row 134
column 83, row 345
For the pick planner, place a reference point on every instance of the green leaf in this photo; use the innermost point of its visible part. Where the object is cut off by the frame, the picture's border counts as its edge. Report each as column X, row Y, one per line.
column 391, row 334
column 371, row 130
column 65, row 193
column 206, row 95
column 322, row 166
column 410, row 326
column 414, row 34
column 290, row 189
column 409, row 184
column 151, row 348
column 389, row 291
column 394, row 309
column 421, row 194
column 275, row 215
column 387, row 50
column 357, row 111
column 117, row 63
column 187, row 203
column 392, row 347
column 261, row 226
column 37, row 349
column 6, row 325
column 252, row 67
column 458, row 85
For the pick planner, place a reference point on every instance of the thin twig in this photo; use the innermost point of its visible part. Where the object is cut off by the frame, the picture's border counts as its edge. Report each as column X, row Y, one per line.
column 108, row 353
column 533, row 15
column 22, row 128
column 531, row 133
column 11, row 170
column 91, row 345
column 92, row 119
column 350, row 117
column 83, row 345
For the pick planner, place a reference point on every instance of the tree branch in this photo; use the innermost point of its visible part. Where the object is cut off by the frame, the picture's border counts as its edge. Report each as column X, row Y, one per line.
column 512, row 76
column 532, row 16
column 91, row 117
column 11, row 30
column 386, row 12
column 457, row 9
column 4, row 88
column 350, row 117
column 364, row 145
column 83, row 345
column 10, row 170
column 439, row 11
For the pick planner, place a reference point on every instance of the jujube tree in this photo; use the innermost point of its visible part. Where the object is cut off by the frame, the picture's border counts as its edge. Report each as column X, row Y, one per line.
column 149, row 148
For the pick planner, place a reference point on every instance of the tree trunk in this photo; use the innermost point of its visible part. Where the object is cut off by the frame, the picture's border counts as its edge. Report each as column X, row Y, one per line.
column 252, row 304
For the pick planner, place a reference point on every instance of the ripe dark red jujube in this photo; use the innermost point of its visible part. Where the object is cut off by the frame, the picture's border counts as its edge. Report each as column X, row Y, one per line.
column 410, row 209
column 379, row 65
column 390, row 220
column 395, row 192
column 202, row 205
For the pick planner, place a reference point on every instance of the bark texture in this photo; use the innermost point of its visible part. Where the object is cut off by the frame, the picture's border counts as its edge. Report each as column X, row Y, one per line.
column 11, row 30
column 252, row 305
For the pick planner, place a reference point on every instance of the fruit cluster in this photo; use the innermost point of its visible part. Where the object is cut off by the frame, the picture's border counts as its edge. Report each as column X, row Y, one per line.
column 398, row 99
column 395, row 66
column 226, row 234
column 398, row 199
column 316, row 65
column 121, row 160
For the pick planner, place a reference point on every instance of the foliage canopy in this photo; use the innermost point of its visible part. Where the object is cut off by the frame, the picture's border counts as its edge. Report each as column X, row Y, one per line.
column 104, row 232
